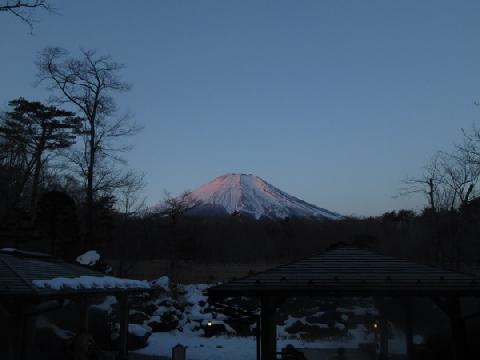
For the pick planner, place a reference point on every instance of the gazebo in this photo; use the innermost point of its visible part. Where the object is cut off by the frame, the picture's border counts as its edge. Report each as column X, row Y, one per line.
column 347, row 271
column 34, row 283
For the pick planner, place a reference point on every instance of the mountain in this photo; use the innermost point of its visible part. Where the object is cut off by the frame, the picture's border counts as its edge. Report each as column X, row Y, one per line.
column 252, row 196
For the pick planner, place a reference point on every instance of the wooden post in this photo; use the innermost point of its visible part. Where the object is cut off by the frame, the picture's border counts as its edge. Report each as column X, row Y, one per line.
column 409, row 330
column 268, row 329
column 19, row 347
column 451, row 307
column 383, row 338
column 123, row 351
column 258, row 338
column 179, row 352
column 459, row 335
column 85, row 306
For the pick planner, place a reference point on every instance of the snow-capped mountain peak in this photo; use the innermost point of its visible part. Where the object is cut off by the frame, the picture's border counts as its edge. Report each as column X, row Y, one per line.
column 250, row 195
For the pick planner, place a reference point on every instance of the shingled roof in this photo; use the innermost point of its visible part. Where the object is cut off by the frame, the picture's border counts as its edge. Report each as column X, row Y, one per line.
column 351, row 271
column 21, row 271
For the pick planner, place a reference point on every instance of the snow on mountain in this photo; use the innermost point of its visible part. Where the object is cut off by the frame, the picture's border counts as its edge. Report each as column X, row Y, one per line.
column 253, row 196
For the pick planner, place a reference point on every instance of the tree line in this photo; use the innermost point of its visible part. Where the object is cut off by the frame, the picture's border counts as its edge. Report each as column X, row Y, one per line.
column 449, row 183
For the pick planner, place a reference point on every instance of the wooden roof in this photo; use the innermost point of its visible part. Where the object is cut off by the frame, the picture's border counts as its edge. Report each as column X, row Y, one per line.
column 18, row 270
column 350, row 271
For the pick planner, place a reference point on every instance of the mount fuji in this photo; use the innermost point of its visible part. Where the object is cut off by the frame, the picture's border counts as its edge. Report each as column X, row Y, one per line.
column 250, row 195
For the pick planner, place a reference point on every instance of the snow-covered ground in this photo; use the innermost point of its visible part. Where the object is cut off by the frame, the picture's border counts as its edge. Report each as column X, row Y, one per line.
column 231, row 347
column 244, row 348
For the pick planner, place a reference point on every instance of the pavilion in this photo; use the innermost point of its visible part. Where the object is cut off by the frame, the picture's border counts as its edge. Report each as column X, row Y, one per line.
column 34, row 283
column 347, row 271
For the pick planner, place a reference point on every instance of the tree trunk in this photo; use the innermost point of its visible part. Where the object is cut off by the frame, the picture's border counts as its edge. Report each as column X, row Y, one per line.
column 431, row 195
column 89, row 232
column 268, row 328
column 173, row 252
column 37, row 171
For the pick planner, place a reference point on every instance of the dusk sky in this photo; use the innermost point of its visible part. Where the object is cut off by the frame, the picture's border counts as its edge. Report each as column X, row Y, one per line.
column 334, row 102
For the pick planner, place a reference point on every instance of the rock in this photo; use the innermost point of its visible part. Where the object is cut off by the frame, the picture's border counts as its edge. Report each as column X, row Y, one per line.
column 241, row 326
column 137, row 317
column 138, row 336
column 168, row 321
column 319, row 330
column 98, row 327
column 149, row 309
column 163, row 326
column 50, row 341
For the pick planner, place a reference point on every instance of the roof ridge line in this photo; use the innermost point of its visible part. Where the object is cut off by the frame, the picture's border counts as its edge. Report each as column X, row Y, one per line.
column 403, row 258
column 318, row 253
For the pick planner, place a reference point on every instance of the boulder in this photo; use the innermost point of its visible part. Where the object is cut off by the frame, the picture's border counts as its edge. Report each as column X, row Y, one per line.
column 137, row 317
column 167, row 321
column 138, row 336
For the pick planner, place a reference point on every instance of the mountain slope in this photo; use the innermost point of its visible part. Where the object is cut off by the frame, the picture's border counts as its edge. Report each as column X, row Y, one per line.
column 253, row 196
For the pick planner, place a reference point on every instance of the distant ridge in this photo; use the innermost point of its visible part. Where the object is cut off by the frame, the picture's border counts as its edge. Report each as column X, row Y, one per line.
column 250, row 195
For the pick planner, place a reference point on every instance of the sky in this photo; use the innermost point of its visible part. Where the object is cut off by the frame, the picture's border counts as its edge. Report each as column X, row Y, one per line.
column 334, row 102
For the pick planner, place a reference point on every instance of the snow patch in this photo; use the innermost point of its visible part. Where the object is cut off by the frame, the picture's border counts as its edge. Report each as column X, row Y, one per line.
column 89, row 258
column 107, row 304
column 139, row 330
column 162, row 282
column 42, row 322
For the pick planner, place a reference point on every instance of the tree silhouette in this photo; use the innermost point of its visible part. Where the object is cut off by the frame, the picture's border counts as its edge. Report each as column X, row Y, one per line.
column 88, row 83
column 31, row 133
column 24, row 9
column 56, row 220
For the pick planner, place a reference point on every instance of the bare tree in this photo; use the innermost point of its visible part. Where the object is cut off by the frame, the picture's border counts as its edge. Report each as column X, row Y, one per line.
column 88, row 83
column 175, row 208
column 470, row 146
column 130, row 203
column 460, row 177
column 429, row 183
column 25, row 9
column 130, row 200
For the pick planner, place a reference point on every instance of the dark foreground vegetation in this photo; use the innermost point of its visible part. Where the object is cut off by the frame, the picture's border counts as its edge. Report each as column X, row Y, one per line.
column 448, row 238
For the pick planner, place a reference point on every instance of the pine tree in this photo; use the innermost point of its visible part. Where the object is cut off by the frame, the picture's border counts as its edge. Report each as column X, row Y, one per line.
column 31, row 132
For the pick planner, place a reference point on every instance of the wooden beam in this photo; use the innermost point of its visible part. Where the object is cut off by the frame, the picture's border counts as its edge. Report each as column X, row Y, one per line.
column 451, row 307
column 19, row 341
column 268, row 328
column 409, row 329
column 384, row 338
column 258, row 338
column 459, row 334
column 123, row 350
column 84, row 304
